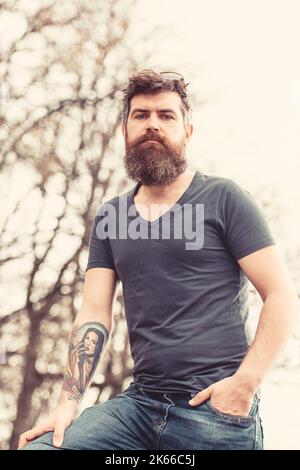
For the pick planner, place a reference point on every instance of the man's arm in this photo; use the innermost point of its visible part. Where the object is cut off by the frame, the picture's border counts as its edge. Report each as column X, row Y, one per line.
column 95, row 315
column 95, row 319
column 267, row 271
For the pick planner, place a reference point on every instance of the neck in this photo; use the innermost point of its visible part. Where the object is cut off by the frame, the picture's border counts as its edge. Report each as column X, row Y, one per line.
column 163, row 190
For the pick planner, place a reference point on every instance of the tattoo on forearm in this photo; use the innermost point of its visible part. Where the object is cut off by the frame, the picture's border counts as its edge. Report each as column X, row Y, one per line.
column 86, row 344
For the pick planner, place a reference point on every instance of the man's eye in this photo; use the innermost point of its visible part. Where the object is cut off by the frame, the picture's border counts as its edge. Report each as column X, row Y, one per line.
column 167, row 116
column 138, row 116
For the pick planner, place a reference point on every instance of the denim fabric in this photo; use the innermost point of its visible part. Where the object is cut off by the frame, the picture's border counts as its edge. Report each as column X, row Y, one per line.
column 136, row 419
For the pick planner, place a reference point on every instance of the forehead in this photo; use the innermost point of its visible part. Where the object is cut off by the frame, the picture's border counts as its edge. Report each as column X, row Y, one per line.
column 91, row 333
column 163, row 100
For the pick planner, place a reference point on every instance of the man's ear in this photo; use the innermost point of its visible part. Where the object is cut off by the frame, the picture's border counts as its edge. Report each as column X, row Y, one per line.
column 189, row 131
column 123, row 129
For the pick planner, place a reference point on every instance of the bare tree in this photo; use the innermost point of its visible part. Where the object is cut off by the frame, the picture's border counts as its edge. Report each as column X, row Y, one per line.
column 63, row 65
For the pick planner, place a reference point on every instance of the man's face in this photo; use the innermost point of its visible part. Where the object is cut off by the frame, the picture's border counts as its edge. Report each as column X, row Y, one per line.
column 155, row 138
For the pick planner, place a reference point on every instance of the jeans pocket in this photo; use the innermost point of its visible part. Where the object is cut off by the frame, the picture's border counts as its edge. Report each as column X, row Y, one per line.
column 249, row 419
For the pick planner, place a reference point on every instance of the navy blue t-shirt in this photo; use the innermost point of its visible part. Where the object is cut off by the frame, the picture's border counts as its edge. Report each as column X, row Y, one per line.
column 185, row 295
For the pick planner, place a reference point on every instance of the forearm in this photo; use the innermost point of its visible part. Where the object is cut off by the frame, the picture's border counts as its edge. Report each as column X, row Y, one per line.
column 274, row 328
column 87, row 342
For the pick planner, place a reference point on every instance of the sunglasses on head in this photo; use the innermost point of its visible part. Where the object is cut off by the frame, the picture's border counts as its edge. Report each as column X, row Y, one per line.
column 176, row 77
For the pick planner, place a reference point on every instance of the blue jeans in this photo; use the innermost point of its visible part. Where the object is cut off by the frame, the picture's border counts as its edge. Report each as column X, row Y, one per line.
column 136, row 419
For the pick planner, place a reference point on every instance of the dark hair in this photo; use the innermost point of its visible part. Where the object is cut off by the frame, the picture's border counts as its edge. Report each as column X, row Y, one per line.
column 82, row 358
column 149, row 82
column 99, row 344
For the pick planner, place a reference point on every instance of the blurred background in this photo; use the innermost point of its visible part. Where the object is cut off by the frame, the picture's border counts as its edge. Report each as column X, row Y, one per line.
column 63, row 65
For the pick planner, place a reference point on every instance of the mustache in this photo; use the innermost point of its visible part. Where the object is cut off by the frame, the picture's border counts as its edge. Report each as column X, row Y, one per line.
column 148, row 136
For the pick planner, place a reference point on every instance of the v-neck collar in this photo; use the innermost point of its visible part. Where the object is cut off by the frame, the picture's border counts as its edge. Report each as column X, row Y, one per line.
column 180, row 201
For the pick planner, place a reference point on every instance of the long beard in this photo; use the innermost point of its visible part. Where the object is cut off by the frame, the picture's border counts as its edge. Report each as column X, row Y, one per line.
column 152, row 163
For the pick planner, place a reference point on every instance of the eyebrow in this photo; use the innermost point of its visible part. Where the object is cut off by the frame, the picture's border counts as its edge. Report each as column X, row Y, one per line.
column 165, row 110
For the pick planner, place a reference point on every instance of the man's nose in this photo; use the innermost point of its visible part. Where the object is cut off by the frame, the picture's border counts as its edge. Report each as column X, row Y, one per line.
column 152, row 123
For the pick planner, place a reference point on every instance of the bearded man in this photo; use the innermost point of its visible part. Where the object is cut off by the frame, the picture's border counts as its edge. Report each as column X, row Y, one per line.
column 184, row 245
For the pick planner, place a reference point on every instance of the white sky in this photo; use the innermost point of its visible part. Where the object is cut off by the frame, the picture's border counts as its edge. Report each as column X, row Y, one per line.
column 243, row 56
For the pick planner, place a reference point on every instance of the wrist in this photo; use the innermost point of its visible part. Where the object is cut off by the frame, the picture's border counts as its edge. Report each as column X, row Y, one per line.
column 69, row 399
column 248, row 381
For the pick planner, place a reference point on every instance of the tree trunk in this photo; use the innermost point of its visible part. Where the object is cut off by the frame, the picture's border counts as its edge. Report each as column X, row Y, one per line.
column 25, row 416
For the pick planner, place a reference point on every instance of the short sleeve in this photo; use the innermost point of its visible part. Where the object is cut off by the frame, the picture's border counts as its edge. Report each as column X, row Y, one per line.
column 100, row 255
column 246, row 228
